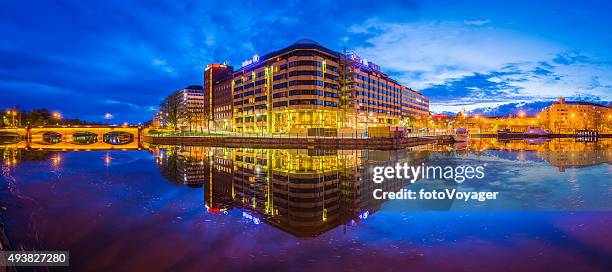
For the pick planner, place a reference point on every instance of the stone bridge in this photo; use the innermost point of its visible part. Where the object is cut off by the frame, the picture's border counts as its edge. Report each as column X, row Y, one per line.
column 73, row 137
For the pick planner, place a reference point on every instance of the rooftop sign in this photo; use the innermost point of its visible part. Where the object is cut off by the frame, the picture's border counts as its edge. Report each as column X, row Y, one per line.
column 255, row 59
column 364, row 62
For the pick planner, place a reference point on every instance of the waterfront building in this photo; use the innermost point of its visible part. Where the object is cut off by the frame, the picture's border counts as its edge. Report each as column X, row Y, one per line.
column 183, row 109
column 566, row 117
column 561, row 117
column 218, row 96
column 479, row 124
column 307, row 88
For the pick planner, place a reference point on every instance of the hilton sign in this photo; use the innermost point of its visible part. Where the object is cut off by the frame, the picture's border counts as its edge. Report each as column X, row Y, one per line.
column 364, row 62
column 255, row 59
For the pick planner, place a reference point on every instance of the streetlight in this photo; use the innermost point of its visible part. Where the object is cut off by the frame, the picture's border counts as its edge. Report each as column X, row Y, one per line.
column 108, row 116
column 13, row 114
column 57, row 116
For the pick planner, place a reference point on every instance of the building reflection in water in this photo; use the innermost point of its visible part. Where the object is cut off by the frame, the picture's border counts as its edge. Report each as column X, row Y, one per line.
column 303, row 192
column 10, row 157
column 307, row 192
column 560, row 152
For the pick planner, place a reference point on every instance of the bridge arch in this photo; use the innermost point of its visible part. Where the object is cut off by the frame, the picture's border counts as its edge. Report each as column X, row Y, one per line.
column 81, row 137
column 118, row 137
column 10, row 137
column 84, row 138
column 51, row 137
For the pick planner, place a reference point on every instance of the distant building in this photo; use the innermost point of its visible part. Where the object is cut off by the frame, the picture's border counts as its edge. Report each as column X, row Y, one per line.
column 565, row 117
column 561, row 117
column 183, row 109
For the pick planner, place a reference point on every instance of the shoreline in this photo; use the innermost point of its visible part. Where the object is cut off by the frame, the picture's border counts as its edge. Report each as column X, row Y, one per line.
column 530, row 136
column 5, row 245
column 300, row 143
column 322, row 142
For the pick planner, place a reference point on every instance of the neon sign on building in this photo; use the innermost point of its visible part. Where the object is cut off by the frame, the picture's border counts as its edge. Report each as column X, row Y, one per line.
column 364, row 62
column 255, row 59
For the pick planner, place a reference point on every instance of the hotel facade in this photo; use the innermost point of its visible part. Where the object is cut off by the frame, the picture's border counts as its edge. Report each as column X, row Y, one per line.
column 306, row 88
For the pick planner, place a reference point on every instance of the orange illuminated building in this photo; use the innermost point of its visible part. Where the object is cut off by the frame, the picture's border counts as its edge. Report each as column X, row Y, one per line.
column 561, row 117
column 566, row 117
column 306, row 86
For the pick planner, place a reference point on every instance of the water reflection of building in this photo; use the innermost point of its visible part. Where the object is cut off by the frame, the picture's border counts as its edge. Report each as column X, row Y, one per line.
column 13, row 156
column 560, row 152
column 303, row 192
column 569, row 153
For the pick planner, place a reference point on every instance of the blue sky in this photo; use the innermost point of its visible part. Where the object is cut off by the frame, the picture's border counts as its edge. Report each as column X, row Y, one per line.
column 89, row 58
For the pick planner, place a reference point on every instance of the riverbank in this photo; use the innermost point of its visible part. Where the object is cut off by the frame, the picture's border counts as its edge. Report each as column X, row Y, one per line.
column 4, row 245
column 301, row 143
column 525, row 135
column 4, row 242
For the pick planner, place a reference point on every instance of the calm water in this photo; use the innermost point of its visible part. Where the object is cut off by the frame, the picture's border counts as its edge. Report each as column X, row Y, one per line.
column 199, row 208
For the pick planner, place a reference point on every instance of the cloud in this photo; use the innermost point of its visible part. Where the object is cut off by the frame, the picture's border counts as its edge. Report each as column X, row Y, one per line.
column 571, row 57
column 458, row 66
column 541, row 71
column 32, row 88
column 531, row 108
column 520, row 83
column 428, row 53
column 162, row 64
column 123, row 103
column 476, row 22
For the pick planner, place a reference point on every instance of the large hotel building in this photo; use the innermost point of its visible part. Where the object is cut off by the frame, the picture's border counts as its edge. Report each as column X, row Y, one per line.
column 306, row 87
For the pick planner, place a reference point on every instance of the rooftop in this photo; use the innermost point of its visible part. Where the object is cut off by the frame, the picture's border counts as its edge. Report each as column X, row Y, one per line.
column 584, row 103
column 299, row 44
column 195, row 87
column 307, row 42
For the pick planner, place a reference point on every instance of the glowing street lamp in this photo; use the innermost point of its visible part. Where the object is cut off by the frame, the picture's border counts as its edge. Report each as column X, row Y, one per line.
column 13, row 115
column 108, row 116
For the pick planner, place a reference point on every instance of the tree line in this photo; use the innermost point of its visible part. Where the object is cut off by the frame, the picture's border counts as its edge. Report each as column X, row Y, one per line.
column 38, row 117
